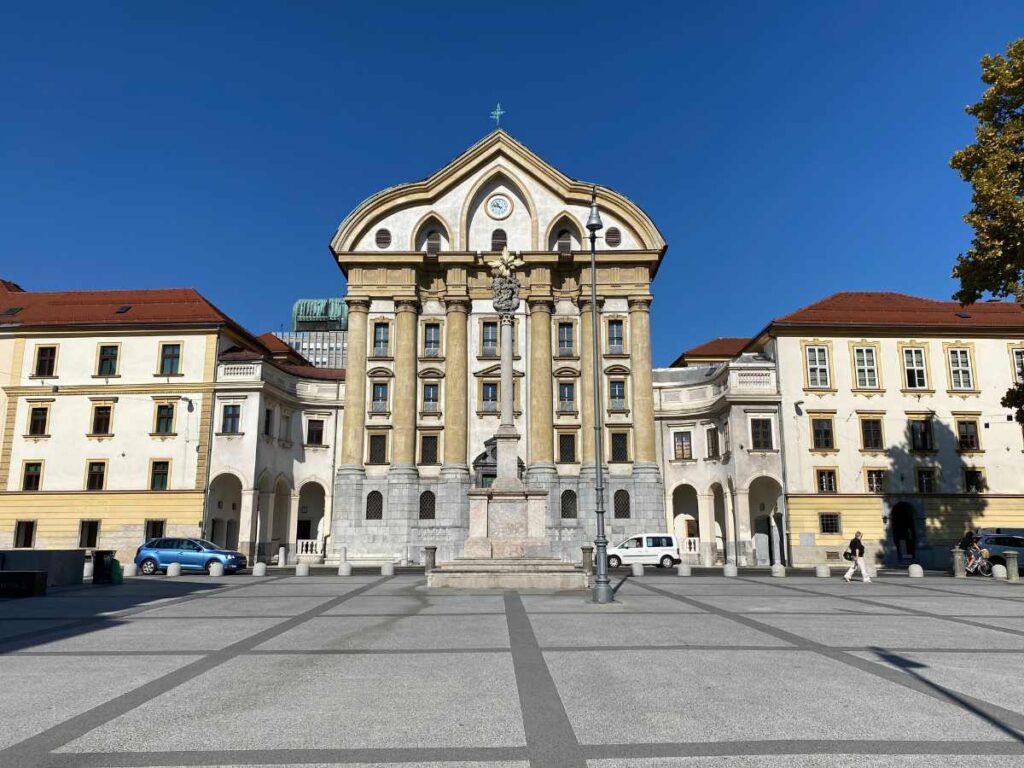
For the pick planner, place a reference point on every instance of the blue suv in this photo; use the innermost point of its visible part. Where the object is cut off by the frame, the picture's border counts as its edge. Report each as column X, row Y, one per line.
column 193, row 555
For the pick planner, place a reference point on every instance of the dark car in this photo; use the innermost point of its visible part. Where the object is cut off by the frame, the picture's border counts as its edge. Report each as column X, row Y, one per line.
column 998, row 543
column 192, row 554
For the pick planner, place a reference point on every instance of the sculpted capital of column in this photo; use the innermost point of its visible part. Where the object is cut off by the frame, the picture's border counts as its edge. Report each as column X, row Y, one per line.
column 406, row 305
column 640, row 303
column 457, row 304
column 357, row 304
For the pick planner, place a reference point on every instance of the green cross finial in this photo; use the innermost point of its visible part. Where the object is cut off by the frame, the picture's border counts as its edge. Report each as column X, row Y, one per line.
column 496, row 114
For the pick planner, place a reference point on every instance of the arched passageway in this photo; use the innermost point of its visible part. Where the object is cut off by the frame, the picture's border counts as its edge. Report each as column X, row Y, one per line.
column 224, row 509
column 766, row 513
column 686, row 520
column 310, row 525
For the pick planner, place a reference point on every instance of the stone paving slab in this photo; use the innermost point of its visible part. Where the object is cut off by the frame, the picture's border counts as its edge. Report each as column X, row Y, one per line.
column 268, row 606
column 422, row 604
column 181, row 635
column 949, row 605
column 555, row 630
column 393, row 633
column 789, row 603
column 853, row 759
column 625, row 602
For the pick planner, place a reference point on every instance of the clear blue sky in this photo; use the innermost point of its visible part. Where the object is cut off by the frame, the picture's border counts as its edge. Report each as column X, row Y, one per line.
column 786, row 150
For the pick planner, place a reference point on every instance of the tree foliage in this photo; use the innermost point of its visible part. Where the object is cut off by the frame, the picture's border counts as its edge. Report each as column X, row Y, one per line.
column 994, row 167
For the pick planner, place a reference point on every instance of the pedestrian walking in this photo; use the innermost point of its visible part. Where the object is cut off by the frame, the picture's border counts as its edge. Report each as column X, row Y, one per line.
column 856, row 550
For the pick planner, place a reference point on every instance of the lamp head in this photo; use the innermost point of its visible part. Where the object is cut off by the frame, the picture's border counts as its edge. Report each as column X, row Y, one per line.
column 594, row 222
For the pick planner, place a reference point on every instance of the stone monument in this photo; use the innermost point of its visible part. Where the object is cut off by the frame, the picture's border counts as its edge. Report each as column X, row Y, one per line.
column 507, row 547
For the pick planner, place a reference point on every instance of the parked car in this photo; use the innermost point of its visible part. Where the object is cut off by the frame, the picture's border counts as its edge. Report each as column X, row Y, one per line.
column 998, row 543
column 660, row 549
column 193, row 555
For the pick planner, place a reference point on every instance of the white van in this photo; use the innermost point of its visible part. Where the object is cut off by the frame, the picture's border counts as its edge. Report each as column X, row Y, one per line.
column 660, row 549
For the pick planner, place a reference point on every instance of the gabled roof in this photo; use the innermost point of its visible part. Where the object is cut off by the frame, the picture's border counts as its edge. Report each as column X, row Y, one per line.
column 281, row 351
column 722, row 348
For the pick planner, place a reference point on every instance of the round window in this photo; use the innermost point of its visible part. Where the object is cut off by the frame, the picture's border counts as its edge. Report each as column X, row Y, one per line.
column 613, row 237
column 383, row 238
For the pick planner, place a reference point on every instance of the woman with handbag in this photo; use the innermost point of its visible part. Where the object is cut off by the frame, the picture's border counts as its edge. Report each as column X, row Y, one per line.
column 855, row 554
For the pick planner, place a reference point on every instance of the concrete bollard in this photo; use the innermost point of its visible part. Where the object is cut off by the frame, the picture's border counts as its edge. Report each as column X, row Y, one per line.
column 129, row 569
column 915, row 571
column 638, row 569
column 282, row 556
column 729, row 570
column 429, row 558
column 588, row 558
column 684, row 569
column 174, row 569
column 959, row 564
column 217, row 570
column 999, row 572
column 1012, row 566
column 823, row 572
column 345, row 569
column 302, row 569
column 387, row 569
column 779, row 571
column 260, row 569
column 87, row 570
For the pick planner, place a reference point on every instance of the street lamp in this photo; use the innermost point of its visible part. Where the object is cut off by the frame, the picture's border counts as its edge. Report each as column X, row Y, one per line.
column 602, row 585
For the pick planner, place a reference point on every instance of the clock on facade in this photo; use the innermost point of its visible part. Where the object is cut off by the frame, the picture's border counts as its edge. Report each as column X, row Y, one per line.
column 499, row 206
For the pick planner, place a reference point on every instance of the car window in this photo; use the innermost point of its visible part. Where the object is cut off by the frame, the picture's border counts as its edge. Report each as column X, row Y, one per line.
column 164, row 544
column 659, row 541
column 206, row 544
column 190, row 546
column 632, row 543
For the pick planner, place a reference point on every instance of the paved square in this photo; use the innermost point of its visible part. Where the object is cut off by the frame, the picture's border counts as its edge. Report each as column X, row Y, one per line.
column 344, row 672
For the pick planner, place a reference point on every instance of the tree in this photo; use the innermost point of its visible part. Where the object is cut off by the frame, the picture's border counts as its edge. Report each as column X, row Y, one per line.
column 994, row 167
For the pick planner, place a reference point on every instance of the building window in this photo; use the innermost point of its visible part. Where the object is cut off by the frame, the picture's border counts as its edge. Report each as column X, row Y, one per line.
column 615, row 344
column 683, row 446
column 914, row 368
column 108, row 360
column 489, row 339
column 431, row 393
column 159, row 474
column 489, row 394
column 967, row 435
column 31, row 476
column 926, row 480
column 432, row 340
column 712, row 440
column 876, row 480
column 382, row 238
column 613, row 237
column 88, row 534
column 566, row 343
column 498, row 240
column 46, row 361
column 230, row 419
column 817, row 368
column 286, row 427
column 866, row 367
column 761, row 434
column 829, row 524
column 921, row 435
column 428, row 505
column 101, row 419
column 974, row 481
column 871, row 434
column 961, row 376
column 37, row 419
column 566, row 397
column 170, row 359
column 825, row 480
column 620, row 446
column 378, row 449
column 569, row 511
column 823, row 438
column 164, row 419
column 24, row 534
column 268, row 422
column 564, row 241
column 315, row 432
column 380, row 397
column 428, row 449
column 566, row 447
column 620, row 505
column 1018, row 365
column 617, row 394
column 381, row 332
column 96, row 475
column 154, row 529
column 374, row 506
column 433, row 241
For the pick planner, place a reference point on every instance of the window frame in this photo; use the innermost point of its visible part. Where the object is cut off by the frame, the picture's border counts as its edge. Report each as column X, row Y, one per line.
column 157, row 405
column 380, row 434
column 818, row 345
column 771, row 432
column 152, row 474
column 96, row 405
column 624, row 434
column 24, row 469
column 884, row 484
column 425, row 325
column 607, row 345
column 81, row 531
column 310, row 420
column 34, row 406
column 1016, row 371
column 715, row 443
column 32, row 539
column 105, row 463
column 160, row 358
column 568, row 433
column 838, row 520
column 932, row 472
column 687, row 445
column 373, row 325
column 818, row 473
column 623, row 407
column 435, row 435
column 958, row 420
column 875, row 348
column 958, row 348
column 983, row 486
column 35, row 361
column 865, row 416
column 223, row 418
column 100, row 346
column 822, row 416
column 929, row 420
column 573, row 350
column 375, row 383
column 926, row 367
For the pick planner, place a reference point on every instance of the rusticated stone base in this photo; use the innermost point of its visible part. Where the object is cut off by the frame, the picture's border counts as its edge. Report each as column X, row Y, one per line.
column 544, row 573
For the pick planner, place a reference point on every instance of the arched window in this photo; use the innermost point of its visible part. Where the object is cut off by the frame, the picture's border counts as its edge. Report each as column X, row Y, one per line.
column 613, row 237
column 427, row 504
column 568, row 505
column 498, row 240
column 621, row 505
column 433, row 241
column 374, row 506
column 564, row 242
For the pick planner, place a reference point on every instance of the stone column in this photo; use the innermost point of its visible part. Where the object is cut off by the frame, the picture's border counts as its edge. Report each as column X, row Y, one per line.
column 730, row 528
column 247, row 523
column 403, row 450
column 354, row 423
column 453, row 504
column 643, row 391
column 293, row 525
column 706, row 525
column 742, row 510
column 541, row 471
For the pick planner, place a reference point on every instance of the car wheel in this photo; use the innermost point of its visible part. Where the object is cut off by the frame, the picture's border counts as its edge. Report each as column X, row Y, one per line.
column 148, row 567
column 614, row 561
column 667, row 562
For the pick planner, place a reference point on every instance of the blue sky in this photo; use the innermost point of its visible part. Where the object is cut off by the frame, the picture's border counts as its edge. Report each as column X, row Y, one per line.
column 786, row 150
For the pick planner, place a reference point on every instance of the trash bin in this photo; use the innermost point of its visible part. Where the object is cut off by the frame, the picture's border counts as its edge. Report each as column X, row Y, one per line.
column 103, row 566
column 117, row 573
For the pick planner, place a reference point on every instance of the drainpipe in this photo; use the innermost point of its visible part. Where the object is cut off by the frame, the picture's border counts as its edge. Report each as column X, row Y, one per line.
column 782, row 458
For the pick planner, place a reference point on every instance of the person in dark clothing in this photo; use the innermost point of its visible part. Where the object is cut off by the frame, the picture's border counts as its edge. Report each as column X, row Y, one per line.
column 967, row 541
column 857, row 559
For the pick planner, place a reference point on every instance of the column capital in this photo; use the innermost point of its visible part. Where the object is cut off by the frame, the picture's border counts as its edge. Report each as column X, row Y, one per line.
column 640, row 303
column 406, row 304
column 541, row 304
column 586, row 305
column 358, row 303
column 457, row 304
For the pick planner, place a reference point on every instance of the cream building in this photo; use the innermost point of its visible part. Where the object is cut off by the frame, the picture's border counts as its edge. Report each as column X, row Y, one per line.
column 422, row 374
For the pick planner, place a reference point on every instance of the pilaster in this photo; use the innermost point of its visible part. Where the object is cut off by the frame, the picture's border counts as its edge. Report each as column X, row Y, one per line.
column 354, row 422
column 541, row 423
column 643, row 393
column 456, row 399
column 404, row 401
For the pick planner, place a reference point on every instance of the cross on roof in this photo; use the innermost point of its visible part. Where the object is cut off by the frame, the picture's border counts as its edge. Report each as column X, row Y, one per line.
column 497, row 113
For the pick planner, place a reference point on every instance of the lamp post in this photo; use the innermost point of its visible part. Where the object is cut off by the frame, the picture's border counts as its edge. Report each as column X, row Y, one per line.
column 602, row 585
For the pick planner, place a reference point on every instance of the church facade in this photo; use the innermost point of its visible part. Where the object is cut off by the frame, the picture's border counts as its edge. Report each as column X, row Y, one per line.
column 422, row 375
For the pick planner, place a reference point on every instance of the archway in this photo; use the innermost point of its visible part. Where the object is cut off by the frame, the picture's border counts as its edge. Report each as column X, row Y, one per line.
column 766, row 518
column 279, row 525
column 686, row 519
column 224, row 510
column 309, row 525
column 901, row 524
column 721, row 525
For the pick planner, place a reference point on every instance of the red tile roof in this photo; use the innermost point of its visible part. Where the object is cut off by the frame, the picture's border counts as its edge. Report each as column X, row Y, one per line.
column 723, row 346
column 281, row 350
column 885, row 309
column 312, row 372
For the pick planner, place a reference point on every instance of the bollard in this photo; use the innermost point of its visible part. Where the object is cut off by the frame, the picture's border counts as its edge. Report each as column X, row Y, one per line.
column 823, row 572
column 302, row 569
column 684, row 569
column 959, row 564
column 129, row 569
column 429, row 558
column 729, row 570
column 638, row 569
column 87, row 570
column 999, row 572
column 387, row 569
column 779, row 571
column 915, row 571
column 588, row 558
column 260, row 569
column 1012, row 566
column 282, row 557
column 217, row 569
column 174, row 569
column 345, row 569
